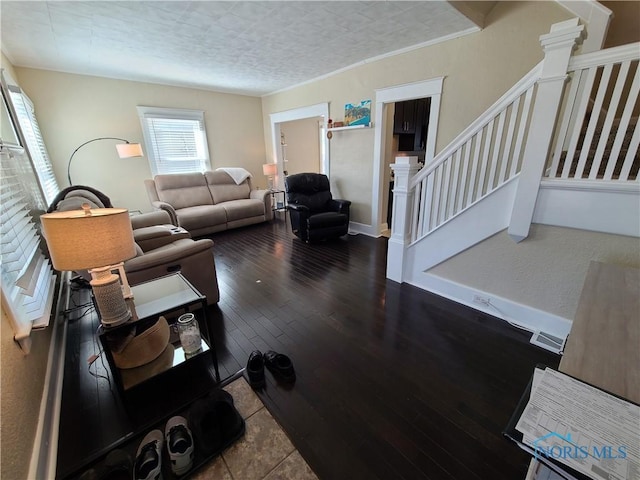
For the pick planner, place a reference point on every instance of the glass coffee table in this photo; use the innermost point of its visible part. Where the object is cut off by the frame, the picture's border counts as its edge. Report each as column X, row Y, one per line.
column 167, row 296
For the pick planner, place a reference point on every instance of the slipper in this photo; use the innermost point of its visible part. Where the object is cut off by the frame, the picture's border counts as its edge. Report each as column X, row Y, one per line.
column 280, row 366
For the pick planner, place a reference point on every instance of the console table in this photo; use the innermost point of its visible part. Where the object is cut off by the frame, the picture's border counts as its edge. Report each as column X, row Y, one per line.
column 602, row 347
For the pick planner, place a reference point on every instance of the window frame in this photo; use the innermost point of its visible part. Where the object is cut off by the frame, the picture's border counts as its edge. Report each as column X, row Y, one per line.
column 159, row 165
column 28, row 130
column 28, row 282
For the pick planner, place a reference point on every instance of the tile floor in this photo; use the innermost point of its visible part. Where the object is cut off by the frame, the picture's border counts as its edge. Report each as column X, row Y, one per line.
column 265, row 451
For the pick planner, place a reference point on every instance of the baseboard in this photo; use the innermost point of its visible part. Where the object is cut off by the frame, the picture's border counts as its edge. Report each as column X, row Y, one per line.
column 369, row 230
column 45, row 446
column 522, row 316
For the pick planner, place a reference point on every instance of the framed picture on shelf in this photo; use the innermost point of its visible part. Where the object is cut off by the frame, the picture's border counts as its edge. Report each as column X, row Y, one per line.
column 357, row 113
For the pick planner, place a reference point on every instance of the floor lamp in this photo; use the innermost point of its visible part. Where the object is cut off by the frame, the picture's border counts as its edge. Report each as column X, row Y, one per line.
column 98, row 240
column 125, row 150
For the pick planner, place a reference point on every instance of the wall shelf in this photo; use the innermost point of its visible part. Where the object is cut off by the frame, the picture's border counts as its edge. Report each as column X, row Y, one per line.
column 350, row 127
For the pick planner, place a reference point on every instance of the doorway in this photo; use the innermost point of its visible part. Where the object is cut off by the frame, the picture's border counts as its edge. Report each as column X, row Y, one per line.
column 408, row 127
column 319, row 112
column 300, row 142
column 384, row 147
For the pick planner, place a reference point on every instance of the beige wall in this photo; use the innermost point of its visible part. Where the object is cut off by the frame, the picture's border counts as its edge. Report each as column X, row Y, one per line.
column 545, row 271
column 478, row 68
column 625, row 25
column 303, row 145
column 72, row 109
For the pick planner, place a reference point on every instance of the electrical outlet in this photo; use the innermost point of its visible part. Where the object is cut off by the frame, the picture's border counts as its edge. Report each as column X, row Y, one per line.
column 481, row 300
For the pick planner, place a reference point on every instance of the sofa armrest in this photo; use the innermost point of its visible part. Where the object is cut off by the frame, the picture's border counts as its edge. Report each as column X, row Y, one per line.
column 150, row 238
column 158, row 217
column 159, row 205
column 171, row 255
column 260, row 194
column 265, row 197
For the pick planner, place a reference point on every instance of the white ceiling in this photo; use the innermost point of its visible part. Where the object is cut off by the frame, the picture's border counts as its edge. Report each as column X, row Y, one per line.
column 247, row 47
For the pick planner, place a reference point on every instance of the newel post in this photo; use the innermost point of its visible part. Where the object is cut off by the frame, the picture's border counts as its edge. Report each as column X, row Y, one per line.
column 403, row 170
column 557, row 45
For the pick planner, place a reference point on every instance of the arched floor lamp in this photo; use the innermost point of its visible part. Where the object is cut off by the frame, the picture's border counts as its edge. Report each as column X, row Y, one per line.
column 125, row 150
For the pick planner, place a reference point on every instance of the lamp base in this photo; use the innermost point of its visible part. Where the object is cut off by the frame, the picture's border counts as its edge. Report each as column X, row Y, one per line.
column 108, row 294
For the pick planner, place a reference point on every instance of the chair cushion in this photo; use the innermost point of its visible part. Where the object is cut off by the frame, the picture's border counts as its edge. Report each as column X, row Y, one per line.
column 327, row 219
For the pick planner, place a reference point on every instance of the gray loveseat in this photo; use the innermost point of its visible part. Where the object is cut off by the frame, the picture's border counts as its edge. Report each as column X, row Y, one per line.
column 209, row 202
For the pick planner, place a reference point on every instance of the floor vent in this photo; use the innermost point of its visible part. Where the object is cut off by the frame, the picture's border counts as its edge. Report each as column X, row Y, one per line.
column 547, row 341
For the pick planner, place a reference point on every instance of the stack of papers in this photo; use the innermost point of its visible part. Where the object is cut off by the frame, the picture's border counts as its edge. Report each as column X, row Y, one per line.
column 591, row 431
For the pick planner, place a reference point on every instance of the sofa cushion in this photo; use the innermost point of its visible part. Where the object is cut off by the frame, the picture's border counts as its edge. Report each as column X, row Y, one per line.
column 223, row 188
column 183, row 190
column 246, row 208
column 202, row 216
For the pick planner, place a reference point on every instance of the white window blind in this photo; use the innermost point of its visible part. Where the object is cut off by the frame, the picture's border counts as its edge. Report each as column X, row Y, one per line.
column 28, row 281
column 175, row 139
column 25, row 112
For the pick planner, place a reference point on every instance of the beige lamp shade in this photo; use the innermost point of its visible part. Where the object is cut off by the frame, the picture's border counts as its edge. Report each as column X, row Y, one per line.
column 89, row 238
column 129, row 150
column 269, row 169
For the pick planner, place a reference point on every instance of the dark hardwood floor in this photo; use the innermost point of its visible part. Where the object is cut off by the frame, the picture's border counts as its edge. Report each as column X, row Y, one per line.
column 392, row 382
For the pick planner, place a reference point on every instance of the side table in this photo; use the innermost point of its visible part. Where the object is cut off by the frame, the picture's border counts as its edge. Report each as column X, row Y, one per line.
column 278, row 202
column 152, row 299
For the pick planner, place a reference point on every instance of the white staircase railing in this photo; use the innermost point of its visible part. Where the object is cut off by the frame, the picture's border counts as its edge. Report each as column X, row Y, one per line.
column 481, row 159
column 582, row 108
column 598, row 132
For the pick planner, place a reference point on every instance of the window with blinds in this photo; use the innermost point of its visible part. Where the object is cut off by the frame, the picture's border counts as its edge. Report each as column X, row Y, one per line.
column 26, row 117
column 175, row 139
column 26, row 276
column 28, row 281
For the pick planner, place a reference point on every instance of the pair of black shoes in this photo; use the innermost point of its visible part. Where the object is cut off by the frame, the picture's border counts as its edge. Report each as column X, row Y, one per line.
column 278, row 364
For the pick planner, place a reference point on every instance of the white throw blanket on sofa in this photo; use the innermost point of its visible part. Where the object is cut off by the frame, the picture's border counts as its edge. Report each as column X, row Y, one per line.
column 238, row 174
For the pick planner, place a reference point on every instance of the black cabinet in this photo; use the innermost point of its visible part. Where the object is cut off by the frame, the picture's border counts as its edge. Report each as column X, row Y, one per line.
column 410, row 123
column 404, row 120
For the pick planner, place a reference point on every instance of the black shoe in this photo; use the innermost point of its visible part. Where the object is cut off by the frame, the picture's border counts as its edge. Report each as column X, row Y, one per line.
column 205, row 426
column 215, row 422
column 255, row 370
column 117, row 466
column 280, row 365
column 230, row 421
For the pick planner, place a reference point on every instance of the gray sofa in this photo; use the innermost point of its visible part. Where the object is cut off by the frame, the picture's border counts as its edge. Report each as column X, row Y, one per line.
column 209, row 202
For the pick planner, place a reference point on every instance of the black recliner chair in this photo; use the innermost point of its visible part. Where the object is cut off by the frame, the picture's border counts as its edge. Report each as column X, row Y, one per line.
column 315, row 215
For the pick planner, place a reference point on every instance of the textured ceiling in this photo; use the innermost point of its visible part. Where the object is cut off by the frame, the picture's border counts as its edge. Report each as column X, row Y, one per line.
column 248, row 47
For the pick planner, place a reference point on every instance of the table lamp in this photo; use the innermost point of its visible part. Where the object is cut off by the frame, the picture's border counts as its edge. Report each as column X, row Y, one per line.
column 98, row 240
column 269, row 170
